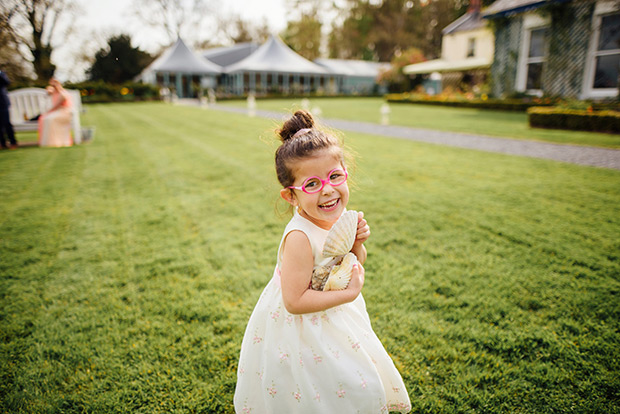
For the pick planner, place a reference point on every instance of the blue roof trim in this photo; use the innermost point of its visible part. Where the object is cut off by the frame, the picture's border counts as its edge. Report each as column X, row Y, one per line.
column 521, row 9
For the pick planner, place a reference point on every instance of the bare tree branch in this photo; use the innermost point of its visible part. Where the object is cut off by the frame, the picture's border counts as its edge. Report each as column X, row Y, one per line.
column 34, row 24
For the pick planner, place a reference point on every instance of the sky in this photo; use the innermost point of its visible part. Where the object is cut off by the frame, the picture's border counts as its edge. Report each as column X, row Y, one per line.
column 97, row 20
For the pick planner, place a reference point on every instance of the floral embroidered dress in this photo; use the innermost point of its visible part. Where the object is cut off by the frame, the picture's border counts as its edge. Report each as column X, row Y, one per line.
column 322, row 362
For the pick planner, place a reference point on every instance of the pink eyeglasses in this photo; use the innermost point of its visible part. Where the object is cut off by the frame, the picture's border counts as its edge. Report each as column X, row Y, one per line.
column 312, row 185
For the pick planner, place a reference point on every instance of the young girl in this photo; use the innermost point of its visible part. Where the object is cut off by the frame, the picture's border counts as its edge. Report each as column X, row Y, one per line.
column 309, row 351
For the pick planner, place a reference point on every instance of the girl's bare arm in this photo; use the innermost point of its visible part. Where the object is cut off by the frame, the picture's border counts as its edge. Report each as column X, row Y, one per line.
column 296, row 274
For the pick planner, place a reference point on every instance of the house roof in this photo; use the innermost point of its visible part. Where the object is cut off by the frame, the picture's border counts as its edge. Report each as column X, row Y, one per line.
column 179, row 58
column 509, row 7
column 441, row 65
column 355, row 68
column 468, row 21
column 228, row 55
column 275, row 56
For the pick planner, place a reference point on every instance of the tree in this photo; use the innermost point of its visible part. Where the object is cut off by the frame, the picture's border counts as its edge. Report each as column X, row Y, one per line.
column 12, row 61
column 34, row 24
column 375, row 30
column 351, row 39
column 393, row 29
column 237, row 30
column 304, row 36
column 177, row 18
column 394, row 77
column 119, row 62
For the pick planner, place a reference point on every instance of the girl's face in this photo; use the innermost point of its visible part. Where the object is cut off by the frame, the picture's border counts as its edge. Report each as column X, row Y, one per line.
column 326, row 206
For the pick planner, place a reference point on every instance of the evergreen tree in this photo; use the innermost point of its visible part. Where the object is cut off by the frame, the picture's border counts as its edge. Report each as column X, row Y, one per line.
column 119, row 62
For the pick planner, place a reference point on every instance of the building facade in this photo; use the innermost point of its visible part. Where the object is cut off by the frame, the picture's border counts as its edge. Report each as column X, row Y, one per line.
column 559, row 48
column 467, row 46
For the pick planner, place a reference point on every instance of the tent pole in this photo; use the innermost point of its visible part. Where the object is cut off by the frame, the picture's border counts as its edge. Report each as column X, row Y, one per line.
column 179, row 85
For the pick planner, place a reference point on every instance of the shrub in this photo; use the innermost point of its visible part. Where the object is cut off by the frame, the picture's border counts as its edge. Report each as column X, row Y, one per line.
column 99, row 91
column 574, row 119
column 468, row 101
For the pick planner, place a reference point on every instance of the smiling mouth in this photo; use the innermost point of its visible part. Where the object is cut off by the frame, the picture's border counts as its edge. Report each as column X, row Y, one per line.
column 330, row 204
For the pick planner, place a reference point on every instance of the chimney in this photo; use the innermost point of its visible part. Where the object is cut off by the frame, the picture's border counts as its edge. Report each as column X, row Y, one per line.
column 474, row 6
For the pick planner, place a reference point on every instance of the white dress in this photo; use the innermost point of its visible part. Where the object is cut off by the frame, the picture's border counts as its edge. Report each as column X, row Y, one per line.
column 322, row 362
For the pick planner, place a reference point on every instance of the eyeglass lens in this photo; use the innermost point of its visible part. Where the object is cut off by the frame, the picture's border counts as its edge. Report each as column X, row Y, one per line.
column 315, row 184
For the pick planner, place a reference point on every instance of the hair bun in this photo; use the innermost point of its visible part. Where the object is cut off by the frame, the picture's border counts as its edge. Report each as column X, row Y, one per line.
column 299, row 120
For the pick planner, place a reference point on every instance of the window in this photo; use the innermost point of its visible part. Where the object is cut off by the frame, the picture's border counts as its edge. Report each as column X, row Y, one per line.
column 603, row 61
column 607, row 55
column 471, row 47
column 535, row 59
column 532, row 54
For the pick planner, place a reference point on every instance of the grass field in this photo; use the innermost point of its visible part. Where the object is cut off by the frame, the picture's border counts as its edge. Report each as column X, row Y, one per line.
column 130, row 265
column 467, row 120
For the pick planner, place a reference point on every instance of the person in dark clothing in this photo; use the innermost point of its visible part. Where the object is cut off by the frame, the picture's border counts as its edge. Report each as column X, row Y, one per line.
column 5, row 120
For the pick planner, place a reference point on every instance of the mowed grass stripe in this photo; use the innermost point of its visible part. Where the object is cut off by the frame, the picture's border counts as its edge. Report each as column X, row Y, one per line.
column 124, row 208
column 483, row 238
column 492, row 280
column 435, row 117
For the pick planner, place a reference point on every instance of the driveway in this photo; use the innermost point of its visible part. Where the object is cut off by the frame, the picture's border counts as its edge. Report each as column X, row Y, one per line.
column 576, row 154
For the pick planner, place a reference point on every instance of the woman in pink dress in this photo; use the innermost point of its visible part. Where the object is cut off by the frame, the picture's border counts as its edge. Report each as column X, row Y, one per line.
column 55, row 124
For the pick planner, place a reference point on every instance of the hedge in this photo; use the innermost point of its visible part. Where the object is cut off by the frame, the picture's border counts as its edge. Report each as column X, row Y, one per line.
column 574, row 119
column 95, row 92
column 99, row 91
column 482, row 102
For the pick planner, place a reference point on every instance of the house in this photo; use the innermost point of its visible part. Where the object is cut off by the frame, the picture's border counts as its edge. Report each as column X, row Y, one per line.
column 565, row 48
column 466, row 52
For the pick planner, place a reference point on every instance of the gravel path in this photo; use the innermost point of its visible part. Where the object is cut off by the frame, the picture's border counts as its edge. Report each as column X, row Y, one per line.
column 576, row 154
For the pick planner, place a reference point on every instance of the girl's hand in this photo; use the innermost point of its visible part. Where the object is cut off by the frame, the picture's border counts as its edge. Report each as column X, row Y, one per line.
column 363, row 230
column 357, row 279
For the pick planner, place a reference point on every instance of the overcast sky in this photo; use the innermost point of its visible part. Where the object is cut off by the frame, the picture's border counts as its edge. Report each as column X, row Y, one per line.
column 97, row 20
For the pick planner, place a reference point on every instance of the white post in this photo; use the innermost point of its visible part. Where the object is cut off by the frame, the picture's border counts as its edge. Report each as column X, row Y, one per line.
column 305, row 104
column 211, row 94
column 251, row 105
column 385, row 114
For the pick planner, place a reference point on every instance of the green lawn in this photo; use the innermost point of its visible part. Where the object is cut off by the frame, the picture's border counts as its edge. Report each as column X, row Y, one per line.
column 467, row 120
column 130, row 265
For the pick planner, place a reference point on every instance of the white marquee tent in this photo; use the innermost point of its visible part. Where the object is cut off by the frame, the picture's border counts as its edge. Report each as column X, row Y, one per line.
column 180, row 68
